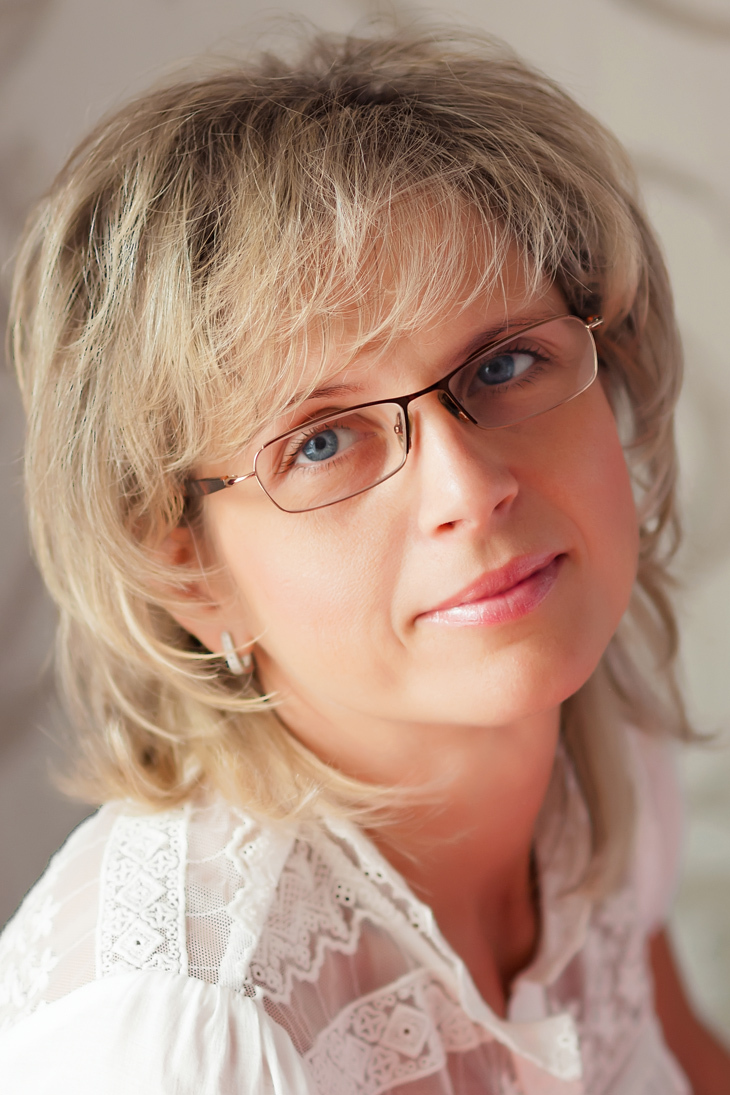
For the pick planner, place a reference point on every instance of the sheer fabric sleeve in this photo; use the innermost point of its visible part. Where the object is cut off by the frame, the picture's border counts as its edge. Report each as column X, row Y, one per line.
column 659, row 830
column 151, row 1034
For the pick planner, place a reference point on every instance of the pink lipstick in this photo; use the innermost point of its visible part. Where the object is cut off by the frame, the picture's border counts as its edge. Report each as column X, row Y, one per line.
column 501, row 595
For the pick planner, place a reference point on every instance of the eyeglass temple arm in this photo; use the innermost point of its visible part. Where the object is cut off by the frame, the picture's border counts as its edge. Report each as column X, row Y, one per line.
column 198, row 488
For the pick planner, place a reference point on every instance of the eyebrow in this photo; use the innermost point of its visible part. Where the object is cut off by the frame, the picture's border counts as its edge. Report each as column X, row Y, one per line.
column 502, row 333
column 482, row 340
column 326, row 392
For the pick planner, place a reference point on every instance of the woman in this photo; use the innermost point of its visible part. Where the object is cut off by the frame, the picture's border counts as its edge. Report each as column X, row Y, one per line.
column 350, row 387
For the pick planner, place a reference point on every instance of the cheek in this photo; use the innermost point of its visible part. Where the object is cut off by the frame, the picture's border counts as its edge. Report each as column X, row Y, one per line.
column 304, row 586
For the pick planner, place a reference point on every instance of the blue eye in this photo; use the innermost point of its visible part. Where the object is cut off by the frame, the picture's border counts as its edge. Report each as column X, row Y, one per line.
column 504, row 367
column 321, row 447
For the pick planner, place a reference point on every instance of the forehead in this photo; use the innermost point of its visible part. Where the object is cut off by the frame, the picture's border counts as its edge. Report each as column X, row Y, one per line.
column 349, row 361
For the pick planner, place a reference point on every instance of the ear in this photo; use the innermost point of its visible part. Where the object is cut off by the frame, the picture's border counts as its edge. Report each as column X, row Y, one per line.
column 207, row 604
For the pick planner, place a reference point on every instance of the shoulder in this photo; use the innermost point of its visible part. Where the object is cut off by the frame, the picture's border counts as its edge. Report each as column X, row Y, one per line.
column 153, row 1034
column 57, row 916
column 116, row 960
column 659, row 826
column 145, row 892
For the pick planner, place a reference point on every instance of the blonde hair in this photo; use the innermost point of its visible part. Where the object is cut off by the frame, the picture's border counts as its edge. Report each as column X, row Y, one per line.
column 196, row 245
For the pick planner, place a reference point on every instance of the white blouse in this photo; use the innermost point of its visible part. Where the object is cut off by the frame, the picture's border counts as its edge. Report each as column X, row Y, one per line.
column 203, row 951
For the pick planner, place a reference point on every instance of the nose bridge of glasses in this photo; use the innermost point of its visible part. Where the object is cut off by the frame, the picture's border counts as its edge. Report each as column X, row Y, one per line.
column 450, row 402
column 445, row 398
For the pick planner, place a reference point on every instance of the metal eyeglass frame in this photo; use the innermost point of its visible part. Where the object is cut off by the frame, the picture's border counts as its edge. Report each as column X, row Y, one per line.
column 196, row 488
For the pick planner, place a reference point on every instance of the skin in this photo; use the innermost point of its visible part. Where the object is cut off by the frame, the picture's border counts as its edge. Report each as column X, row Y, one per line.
column 335, row 602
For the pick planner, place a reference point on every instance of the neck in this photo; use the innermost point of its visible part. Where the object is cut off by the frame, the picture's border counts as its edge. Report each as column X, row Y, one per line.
column 465, row 845
column 469, row 856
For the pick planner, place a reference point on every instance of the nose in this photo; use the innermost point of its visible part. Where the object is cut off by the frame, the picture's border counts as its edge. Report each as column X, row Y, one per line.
column 463, row 477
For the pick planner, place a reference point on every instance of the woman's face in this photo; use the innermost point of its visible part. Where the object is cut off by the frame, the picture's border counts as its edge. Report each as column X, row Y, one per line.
column 533, row 527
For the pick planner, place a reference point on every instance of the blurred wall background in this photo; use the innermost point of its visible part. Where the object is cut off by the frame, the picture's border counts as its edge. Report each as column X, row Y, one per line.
column 658, row 73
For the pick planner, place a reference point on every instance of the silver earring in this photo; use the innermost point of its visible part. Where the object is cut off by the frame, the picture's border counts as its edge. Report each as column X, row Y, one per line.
column 237, row 666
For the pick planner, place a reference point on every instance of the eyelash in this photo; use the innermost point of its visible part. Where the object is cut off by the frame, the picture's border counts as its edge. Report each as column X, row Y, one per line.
column 296, row 444
column 541, row 360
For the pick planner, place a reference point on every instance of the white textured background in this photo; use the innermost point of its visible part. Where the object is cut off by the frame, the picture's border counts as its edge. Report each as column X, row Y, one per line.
column 658, row 73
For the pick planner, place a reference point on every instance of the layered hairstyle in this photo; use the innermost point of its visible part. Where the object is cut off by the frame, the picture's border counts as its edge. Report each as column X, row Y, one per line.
column 202, row 243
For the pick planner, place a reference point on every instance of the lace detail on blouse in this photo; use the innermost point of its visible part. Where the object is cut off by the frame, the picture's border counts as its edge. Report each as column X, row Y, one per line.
column 311, row 914
column 330, row 945
column 142, row 923
column 257, row 855
column 607, row 990
column 389, row 1037
column 321, row 899
column 26, row 956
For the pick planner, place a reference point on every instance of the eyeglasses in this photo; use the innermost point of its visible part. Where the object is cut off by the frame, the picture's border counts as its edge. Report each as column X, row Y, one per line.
column 342, row 453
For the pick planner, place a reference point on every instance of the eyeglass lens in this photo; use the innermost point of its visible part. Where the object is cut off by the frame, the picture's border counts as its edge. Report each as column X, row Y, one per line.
column 333, row 460
column 336, row 458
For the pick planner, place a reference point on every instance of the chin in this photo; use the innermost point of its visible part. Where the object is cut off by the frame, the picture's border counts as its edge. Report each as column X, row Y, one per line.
column 497, row 698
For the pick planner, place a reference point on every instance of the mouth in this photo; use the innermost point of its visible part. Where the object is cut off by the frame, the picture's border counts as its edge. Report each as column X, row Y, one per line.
column 501, row 595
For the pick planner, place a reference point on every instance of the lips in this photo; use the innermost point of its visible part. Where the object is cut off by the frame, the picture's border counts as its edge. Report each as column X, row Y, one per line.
column 506, row 593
